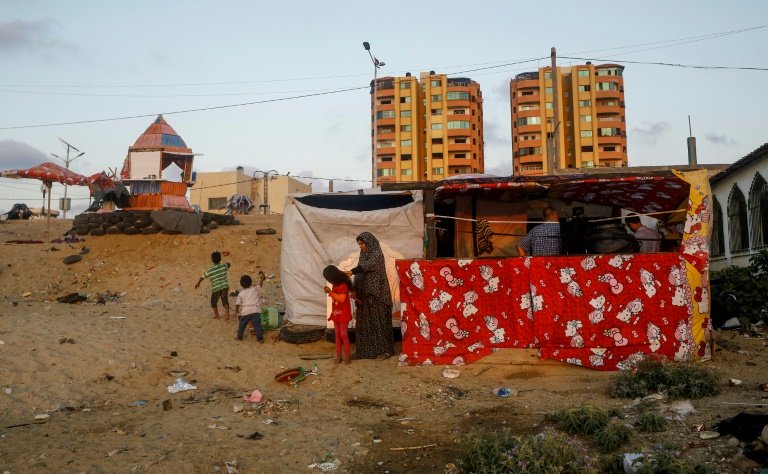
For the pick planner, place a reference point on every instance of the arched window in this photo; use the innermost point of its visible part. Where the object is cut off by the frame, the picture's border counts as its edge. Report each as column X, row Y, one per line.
column 758, row 212
column 718, row 238
column 738, row 231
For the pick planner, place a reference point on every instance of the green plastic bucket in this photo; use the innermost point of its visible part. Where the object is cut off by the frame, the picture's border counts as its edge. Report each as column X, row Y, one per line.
column 270, row 317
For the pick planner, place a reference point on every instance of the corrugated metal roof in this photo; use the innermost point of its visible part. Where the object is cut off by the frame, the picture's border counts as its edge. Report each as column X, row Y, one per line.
column 160, row 136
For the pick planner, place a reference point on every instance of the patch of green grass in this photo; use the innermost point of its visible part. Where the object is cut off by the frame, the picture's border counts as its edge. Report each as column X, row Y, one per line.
column 586, row 419
column 676, row 380
column 612, row 436
column 651, row 423
column 503, row 452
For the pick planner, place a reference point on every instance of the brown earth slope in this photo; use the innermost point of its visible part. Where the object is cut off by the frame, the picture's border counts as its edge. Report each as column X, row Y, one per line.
column 101, row 371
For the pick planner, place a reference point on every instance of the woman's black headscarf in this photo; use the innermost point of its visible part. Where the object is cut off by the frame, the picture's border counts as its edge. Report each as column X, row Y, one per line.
column 371, row 284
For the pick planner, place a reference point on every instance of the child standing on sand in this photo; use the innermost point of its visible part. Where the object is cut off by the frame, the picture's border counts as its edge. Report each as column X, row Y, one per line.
column 341, row 307
column 219, row 284
column 248, row 307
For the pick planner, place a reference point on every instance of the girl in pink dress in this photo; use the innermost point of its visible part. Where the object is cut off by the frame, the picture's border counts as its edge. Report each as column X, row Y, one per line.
column 341, row 307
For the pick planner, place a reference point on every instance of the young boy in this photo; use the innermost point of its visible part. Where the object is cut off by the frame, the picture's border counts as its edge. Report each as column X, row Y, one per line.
column 219, row 284
column 248, row 307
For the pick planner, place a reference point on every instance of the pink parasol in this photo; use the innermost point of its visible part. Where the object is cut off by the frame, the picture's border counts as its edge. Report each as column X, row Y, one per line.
column 50, row 172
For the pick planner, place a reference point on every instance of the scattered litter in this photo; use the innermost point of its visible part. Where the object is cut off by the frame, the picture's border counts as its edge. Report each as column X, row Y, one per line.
column 763, row 387
column 139, row 403
column 233, row 368
column 26, row 294
column 70, row 259
column 504, row 392
column 108, row 297
column 255, row 435
column 709, row 435
column 683, row 408
column 231, row 467
column 411, row 448
column 633, row 462
column 167, row 405
column 237, row 408
column 377, row 440
column 66, row 341
column 177, row 373
column 116, row 451
column 117, row 317
column 734, row 382
column 269, row 421
column 174, row 353
column 254, row 397
column 43, row 416
column 180, row 386
column 315, row 356
column 451, row 373
column 217, row 427
column 72, row 298
column 8, row 390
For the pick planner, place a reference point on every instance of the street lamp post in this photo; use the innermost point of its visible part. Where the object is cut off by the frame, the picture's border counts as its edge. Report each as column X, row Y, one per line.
column 67, row 161
column 376, row 65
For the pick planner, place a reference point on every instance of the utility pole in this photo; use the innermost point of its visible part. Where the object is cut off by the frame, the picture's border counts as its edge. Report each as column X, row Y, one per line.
column 67, row 161
column 692, row 160
column 555, row 115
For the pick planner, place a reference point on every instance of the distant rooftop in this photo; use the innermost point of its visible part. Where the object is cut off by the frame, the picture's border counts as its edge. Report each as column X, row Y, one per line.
column 160, row 135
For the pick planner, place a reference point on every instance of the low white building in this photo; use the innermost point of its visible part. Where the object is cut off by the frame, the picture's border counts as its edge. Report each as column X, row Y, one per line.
column 740, row 220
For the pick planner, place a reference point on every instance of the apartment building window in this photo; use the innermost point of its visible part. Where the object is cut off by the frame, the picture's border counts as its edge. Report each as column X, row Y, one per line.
column 609, row 148
column 436, row 97
column 406, row 157
column 405, row 143
column 385, row 172
column 437, row 126
column 583, row 73
column 385, row 144
column 437, row 111
column 458, row 112
column 436, row 141
column 216, row 203
column 548, row 75
column 385, row 159
column 548, row 90
column 405, row 99
column 522, row 93
column 532, row 150
column 453, row 124
column 434, row 83
column 608, row 72
column 529, row 137
column 532, row 167
column 608, row 103
column 460, row 155
column 610, row 132
column 586, row 149
column 437, row 170
column 386, row 130
column 406, row 172
column 405, row 85
column 607, row 86
column 528, row 121
column 386, row 101
column 586, row 133
column 457, row 96
column 459, row 140
column 586, row 118
column 403, row 113
column 437, row 156
column 385, row 114
column 529, row 107
column 585, row 103
column 405, row 128
column 585, row 88
column 548, row 105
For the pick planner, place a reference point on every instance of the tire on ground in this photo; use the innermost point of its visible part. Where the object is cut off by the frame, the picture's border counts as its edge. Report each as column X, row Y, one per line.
column 114, row 230
column 131, row 231
column 301, row 333
column 149, row 230
column 97, row 231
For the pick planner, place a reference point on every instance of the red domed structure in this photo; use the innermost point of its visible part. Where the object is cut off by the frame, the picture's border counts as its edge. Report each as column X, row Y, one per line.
column 158, row 169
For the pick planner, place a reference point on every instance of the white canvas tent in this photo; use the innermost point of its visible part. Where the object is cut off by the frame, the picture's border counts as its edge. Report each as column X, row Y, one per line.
column 320, row 230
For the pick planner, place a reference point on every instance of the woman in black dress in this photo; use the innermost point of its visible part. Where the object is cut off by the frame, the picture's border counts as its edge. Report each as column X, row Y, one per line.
column 374, row 301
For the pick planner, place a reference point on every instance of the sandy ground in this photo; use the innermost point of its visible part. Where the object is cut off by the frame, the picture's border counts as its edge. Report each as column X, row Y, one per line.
column 101, row 371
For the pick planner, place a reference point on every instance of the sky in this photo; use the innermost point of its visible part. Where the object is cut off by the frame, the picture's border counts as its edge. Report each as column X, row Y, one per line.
column 285, row 83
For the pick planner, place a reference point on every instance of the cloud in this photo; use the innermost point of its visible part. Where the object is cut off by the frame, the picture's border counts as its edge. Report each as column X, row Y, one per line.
column 650, row 132
column 19, row 155
column 35, row 36
column 492, row 134
column 719, row 139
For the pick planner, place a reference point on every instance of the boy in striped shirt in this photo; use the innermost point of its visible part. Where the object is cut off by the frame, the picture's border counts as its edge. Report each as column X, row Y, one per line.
column 219, row 284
